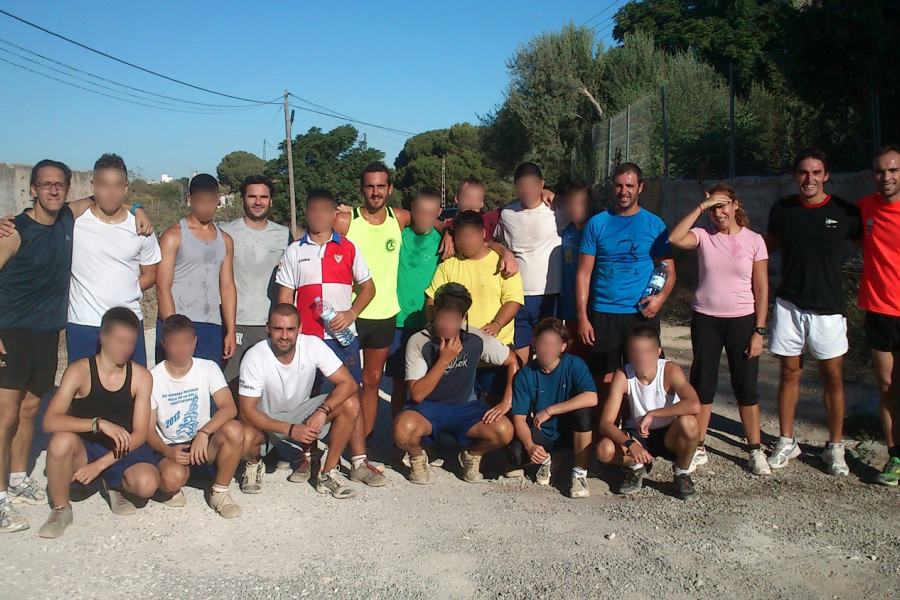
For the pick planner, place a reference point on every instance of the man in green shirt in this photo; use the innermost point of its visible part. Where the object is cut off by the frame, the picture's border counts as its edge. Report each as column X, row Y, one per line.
column 418, row 262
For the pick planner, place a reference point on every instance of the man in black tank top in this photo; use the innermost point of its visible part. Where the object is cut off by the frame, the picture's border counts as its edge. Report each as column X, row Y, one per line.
column 99, row 417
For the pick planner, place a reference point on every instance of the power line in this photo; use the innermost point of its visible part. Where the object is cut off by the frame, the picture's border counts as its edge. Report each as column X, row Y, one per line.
column 339, row 116
column 76, row 69
column 608, row 6
column 130, row 64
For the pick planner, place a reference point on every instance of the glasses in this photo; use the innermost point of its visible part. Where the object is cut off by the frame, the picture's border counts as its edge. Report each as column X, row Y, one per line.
column 46, row 185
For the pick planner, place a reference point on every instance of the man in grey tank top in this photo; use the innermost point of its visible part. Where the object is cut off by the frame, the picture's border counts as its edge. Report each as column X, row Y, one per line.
column 196, row 276
column 258, row 246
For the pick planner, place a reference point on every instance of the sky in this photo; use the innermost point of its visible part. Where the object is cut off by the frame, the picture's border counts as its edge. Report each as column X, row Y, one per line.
column 410, row 66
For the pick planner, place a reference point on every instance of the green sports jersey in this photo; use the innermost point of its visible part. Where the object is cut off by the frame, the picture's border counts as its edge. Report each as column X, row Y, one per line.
column 418, row 261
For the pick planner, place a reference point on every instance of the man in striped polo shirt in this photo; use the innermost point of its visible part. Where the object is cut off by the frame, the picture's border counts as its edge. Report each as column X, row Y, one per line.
column 327, row 266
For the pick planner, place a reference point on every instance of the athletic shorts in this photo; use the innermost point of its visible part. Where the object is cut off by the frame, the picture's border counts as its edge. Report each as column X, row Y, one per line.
column 207, row 470
column 349, row 355
column 882, row 332
column 30, row 360
column 534, row 309
column 795, row 329
column 454, row 419
column 83, row 341
column 297, row 416
column 491, row 381
column 246, row 336
column 395, row 367
column 376, row 333
column 209, row 342
column 576, row 347
column 581, row 420
column 611, row 330
column 655, row 444
column 113, row 474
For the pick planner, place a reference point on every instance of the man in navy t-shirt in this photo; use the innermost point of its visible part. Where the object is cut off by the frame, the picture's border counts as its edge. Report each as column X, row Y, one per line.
column 441, row 366
column 619, row 250
column 553, row 400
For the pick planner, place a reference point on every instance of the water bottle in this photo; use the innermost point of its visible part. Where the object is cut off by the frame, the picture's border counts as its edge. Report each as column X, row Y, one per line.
column 345, row 336
column 656, row 283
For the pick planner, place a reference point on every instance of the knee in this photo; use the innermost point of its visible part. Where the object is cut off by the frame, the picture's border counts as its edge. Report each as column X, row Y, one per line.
column 371, row 377
column 173, row 478
column 232, row 433
column 404, row 429
column 62, row 444
column 606, row 450
column 145, row 483
column 350, row 407
column 251, row 441
column 29, row 409
column 791, row 373
column 9, row 422
column 689, row 427
column 832, row 377
column 503, row 430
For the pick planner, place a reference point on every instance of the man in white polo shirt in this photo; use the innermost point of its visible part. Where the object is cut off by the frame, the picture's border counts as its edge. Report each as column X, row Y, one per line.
column 111, row 263
column 277, row 377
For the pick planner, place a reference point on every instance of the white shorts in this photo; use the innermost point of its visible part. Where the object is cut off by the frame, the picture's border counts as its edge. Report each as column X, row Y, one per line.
column 795, row 329
column 297, row 416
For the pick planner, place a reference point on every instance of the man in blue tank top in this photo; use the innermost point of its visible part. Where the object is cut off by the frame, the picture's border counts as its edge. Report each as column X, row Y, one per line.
column 196, row 275
column 34, row 291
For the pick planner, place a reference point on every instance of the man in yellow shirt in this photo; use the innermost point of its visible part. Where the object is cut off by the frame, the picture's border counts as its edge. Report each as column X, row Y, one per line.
column 495, row 299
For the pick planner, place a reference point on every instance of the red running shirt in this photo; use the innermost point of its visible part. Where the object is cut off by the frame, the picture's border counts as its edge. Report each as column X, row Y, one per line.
column 879, row 286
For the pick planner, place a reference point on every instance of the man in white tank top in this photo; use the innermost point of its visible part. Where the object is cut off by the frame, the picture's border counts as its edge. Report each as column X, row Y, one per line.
column 661, row 408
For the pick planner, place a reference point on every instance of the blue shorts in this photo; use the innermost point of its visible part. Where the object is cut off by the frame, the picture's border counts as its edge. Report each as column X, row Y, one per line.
column 455, row 419
column 395, row 367
column 491, row 381
column 209, row 342
column 113, row 473
column 535, row 309
column 208, row 470
column 349, row 355
column 83, row 341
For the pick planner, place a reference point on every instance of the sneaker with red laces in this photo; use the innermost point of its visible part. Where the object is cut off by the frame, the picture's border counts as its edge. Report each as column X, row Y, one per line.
column 368, row 474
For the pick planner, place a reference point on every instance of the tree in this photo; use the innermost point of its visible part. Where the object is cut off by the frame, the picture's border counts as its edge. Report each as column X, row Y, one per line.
column 333, row 160
column 236, row 166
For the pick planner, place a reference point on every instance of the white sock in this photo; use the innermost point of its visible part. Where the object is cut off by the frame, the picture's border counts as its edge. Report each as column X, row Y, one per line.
column 546, row 461
column 219, row 489
column 786, row 440
column 16, row 479
column 3, row 496
column 577, row 472
column 636, row 466
column 678, row 470
column 358, row 460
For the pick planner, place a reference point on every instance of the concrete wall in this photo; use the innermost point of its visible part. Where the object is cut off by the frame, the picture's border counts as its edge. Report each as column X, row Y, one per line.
column 14, row 189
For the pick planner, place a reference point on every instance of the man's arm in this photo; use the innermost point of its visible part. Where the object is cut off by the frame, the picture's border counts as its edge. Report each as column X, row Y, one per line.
column 142, row 223
column 365, row 291
column 760, row 285
column 251, row 414
column 503, row 317
column 688, row 404
column 226, row 410
column 147, row 278
column 508, row 264
column 773, row 242
column 342, row 222
column 8, row 248
column 228, row 294
column 582, row 292
column 512, row 366
column 165, row 272
column 610, row 414
column 286, row 295
column 653, row 304
column 141, row 386
column 576, row 402
column 419, row 389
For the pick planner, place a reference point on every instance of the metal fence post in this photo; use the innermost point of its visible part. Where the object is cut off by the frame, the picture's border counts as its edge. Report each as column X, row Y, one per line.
column 665, row 133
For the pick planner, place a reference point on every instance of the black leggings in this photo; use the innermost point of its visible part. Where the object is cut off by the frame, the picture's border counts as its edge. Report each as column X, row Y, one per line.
column 708, row 336
column 581, row 420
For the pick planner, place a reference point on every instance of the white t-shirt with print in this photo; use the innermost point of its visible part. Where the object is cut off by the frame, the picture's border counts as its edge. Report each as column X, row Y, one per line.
column 183, row 405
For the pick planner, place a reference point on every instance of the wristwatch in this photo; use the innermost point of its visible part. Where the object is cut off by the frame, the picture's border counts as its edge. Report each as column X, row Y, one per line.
column 759, row 330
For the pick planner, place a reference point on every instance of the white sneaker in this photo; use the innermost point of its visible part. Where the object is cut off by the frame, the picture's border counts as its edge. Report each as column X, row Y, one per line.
column 757, row 462
column 543, row 475
column 700, row 458
column 579, row 487
column 251, row 482
column 834, row 458
column 783, row 453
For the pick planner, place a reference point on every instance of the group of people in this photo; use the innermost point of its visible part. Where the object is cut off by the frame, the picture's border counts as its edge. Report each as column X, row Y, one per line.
column 529, row 329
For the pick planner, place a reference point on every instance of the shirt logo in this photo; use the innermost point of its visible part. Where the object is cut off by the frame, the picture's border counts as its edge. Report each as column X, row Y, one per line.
column 460, row 362
column 338, row 258
column 830, row 223
column 303, row 260
column 390, row 245
column 870, row 223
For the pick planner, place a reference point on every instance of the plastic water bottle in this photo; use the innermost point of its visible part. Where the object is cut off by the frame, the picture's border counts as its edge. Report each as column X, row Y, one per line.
column 656, row 283
column 345, row 336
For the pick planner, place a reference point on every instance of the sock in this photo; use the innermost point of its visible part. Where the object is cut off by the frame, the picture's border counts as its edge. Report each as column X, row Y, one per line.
column 894, row 451
column 752, row 447
column 679, row 471
column 830, row 445
column 701, row 445
column 636, row 466
column 546, row 461
column 3, row 496
column 576, row 472
column 358, row 460
column 219, row 489
column 786, row 440
column 16, row 479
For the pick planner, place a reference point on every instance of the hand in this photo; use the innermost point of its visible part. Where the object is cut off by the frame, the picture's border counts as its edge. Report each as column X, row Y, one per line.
column 87, row 473
column 537, row 453
column 508, row 265
column 117, row 434
column 180, row 454
column 142, row 222
column 449, row 349
column 447, row 249
column 586, row 331
column 7, row 226
column 714, row 201
column 639, row 453
column 541, row 417
column 342, row 320
column 652, row 305
column 199, row 449
column 2, row 354
column 229, row 345
column 754, row 348
column 548, row 198
column 643, row 426
column 492, row 329
column 495, row 413
column 343, row 208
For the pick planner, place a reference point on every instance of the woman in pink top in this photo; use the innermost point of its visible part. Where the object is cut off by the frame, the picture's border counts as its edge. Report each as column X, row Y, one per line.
column 730, row 307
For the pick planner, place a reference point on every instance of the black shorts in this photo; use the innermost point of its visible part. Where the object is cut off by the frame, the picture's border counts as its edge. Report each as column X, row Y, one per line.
column 655, row 444
column 30, row 360
column 581, row 420
column 882, row 332
column 611, row 330
column 376, row 333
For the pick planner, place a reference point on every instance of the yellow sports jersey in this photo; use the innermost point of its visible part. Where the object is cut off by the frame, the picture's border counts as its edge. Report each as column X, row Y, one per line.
column 380, row 246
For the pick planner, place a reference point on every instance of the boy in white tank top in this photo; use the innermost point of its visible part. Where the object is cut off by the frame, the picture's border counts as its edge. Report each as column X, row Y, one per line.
column 661, row 407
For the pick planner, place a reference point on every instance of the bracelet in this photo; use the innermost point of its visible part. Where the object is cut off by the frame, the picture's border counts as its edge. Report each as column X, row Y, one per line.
column 95, row 425
column 497, row 322
column 291, row 431
column 204, row 431
column 134, row 207
column 325, row 409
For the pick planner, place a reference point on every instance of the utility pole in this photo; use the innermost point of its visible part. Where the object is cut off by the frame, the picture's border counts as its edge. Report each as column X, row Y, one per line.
column 290, row 158
column 264, row 150
column 443, row 180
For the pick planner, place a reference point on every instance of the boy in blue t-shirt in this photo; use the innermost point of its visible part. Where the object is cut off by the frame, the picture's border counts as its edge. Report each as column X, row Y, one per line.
column 553, row 400
column 576, row 204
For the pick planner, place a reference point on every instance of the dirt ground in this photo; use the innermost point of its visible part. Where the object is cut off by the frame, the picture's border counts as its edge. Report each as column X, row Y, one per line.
column 799, row 534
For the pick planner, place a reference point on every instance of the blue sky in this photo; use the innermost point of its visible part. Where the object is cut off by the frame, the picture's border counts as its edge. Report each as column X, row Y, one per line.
column 411, row 66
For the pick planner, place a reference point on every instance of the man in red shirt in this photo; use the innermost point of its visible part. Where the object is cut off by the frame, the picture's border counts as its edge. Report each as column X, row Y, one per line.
column 879, row 295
